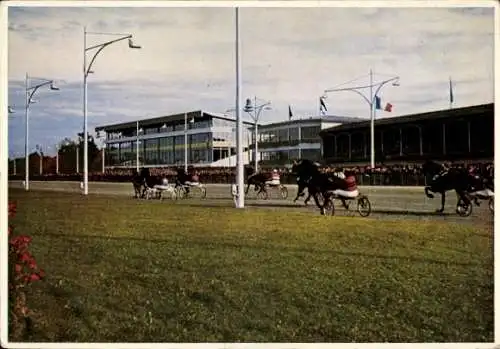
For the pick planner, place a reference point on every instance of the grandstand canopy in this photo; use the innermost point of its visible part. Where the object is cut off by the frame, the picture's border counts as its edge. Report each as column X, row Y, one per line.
column 164, row 119
column 434, row 115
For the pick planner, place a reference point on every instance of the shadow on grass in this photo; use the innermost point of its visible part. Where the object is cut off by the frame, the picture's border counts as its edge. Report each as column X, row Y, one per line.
column 265, row 204
column 210, row 244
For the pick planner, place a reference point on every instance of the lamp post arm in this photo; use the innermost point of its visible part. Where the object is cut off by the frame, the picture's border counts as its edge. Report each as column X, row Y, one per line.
column 352, row 90
column 260, row 108
column 383, row 84
column 101, row 47
column 35, row 88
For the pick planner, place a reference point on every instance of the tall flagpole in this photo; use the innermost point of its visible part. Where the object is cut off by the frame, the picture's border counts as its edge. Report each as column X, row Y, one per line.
column 451, row 94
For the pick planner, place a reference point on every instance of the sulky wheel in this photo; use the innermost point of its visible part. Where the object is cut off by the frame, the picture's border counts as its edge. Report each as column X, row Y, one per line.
column 330, row 206
column 463, row 209
column 364, row 206
column 263, row 195
column 284, row 192
column 181, row 192
column 203, row 192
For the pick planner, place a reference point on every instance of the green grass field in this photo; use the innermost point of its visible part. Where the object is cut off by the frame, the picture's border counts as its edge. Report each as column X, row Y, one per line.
column 129, row 271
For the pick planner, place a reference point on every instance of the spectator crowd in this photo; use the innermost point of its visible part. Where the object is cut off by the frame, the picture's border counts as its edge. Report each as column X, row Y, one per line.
column 382, row 175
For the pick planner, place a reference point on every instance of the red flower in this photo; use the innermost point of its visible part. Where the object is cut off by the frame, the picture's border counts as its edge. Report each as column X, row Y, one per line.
column 35, row 277
column 12, row 209
column 19, row 268
column 26, row 257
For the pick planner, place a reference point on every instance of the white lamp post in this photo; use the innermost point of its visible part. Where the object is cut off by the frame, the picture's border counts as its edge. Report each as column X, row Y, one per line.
column 10, row 110
column 57, row 159
column 86, row 72
column 185, row 141
column 137, row 131
column 254, row 110
column 371, row 103
column 78, row 157
column 30, row 90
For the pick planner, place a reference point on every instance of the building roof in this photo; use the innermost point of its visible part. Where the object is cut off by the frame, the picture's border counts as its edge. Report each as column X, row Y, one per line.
column 162, row 119
column 433, row 115
column 318, row 119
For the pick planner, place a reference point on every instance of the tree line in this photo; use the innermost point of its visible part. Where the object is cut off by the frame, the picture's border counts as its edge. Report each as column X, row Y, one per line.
column 70, row 152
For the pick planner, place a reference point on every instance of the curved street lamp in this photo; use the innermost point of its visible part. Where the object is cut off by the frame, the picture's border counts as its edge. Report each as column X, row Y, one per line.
column 371, row 102
column 86, row 72
column 254, row 110
column 30, row 90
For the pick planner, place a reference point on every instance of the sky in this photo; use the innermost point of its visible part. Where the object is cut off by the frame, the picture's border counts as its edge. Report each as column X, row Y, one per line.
column 289, row 57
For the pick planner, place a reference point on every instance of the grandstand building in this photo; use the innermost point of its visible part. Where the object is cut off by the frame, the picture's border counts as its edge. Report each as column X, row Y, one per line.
column 211, row 141
column 459, row 134
column 282, row 142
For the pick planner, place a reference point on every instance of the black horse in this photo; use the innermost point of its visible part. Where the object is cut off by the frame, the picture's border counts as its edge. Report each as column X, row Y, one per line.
column 185, row 176
column 443, row 180
column 302, row 183
column 138, row 180
column 258, row 179
column 318, row 184
column 143, row 180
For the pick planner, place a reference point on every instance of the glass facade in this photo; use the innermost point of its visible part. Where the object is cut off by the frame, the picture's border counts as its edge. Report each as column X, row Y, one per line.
column 307, row 133
column 168, row 149
column 151, row 151
column 289, row 155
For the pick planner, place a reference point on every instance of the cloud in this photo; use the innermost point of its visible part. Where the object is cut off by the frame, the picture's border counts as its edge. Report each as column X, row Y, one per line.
column 289, row 56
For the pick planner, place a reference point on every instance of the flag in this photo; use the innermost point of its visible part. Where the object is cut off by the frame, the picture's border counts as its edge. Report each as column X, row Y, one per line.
column 378, row 103
column 451, row 92
column 290, row 115
column 322, row 106
column 388, row 107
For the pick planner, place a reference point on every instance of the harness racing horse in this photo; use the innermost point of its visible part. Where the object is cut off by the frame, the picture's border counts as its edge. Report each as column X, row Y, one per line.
column 143, row 180
column 185, row 181
column 138, row 183
column 258, row 179
column 302, row 183
column 317, row 183
column 444, row 180
column 482, row 185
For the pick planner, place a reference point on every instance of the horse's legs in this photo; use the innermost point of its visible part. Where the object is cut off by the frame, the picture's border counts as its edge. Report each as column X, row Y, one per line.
column 248, row 187
column 443, row 200
column 321, row 208
column 463, row 195
column 262, row 188
column 427, row 192
column 308, row 198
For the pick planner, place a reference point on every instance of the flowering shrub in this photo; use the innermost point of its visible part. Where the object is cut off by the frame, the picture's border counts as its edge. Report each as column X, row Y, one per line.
column 23, row 270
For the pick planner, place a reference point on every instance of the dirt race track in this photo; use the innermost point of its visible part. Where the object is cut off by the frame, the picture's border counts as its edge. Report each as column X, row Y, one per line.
column 386, row 202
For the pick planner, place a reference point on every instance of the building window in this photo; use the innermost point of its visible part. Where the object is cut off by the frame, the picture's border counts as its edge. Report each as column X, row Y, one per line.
column 112, row 154
column 310, row 133
column 294, row 133
column 166, row 150
column 150, row 130
column 125, row 152
column 151, row 151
